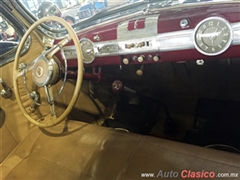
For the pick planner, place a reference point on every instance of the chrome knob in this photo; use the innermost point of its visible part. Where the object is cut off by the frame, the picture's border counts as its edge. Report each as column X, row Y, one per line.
column 156, row 58
column 184, row 23
column 139, row 72
column 134, row 58
column 141, row 58
column 6, row 92
column 126, row 61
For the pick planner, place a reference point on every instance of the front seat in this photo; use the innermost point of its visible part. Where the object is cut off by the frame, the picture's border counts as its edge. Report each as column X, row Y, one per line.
column 77, row 150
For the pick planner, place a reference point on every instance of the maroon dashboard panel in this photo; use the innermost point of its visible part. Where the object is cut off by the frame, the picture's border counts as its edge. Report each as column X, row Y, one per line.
column 169, row 20
column 106, row 36
column 105, row 32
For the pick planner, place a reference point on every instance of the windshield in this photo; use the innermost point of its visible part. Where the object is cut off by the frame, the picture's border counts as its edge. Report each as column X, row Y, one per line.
column 72, row 11
column 75, row 11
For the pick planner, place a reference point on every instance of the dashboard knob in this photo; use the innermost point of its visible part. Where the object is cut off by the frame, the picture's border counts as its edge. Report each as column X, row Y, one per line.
column 141, row 58
column 96, row 38
column 149, row 57
column 184, row 23
column 134, row 58
column 156, row 58
column 139, row 72
column 126, row 61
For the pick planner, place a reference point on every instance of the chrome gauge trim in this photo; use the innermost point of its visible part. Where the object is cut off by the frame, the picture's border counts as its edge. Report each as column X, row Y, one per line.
column 71, row 53
column 165, row 42
column 207, row 24
column 88, row 51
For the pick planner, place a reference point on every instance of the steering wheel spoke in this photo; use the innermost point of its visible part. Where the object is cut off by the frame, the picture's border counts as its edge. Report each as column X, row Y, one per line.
column 24, row 68
column 50, row 53
column 46, row 72
column 50, row 99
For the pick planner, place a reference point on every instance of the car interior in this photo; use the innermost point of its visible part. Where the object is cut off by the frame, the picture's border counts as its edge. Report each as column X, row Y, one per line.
column 139, row 90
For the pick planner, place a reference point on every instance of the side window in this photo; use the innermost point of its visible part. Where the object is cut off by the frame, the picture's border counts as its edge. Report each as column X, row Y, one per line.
column 9, row 38
column 11, row 33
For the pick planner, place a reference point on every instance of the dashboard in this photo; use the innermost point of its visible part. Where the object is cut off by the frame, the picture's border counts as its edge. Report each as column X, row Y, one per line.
column 173, row 34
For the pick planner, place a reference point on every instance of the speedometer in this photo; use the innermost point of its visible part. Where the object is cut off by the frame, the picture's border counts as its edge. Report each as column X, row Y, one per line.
column 87, row 50
column 213, row 36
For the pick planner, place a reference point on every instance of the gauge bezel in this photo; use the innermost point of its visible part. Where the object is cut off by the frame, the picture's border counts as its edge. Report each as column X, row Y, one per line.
column 86, row 39
column 227, row 44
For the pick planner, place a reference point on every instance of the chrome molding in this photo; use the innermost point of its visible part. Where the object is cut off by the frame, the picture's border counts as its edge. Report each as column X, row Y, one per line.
column 178, row 40
column 150, row 28
column 236, row 33
column 172, row 41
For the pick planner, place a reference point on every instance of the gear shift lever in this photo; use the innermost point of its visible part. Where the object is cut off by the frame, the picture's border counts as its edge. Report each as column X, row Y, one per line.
column 117, row 86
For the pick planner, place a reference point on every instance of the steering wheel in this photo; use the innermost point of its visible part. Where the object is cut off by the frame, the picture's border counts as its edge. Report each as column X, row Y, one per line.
column 46, row 72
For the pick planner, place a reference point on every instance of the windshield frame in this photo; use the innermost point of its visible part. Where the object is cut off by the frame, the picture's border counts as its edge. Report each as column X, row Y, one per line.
column 142, row 7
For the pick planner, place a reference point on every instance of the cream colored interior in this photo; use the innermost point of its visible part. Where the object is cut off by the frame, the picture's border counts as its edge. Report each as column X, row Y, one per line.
column 16, row 127
column 78, row 150
column 53, row 119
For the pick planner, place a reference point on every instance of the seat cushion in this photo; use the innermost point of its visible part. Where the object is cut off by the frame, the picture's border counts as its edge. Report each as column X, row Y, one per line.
column 7, row 140
column 76, row 150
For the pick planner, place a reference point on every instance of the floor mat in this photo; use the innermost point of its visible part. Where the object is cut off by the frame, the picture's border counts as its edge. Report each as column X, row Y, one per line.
column 216, row 122
column 137, row 118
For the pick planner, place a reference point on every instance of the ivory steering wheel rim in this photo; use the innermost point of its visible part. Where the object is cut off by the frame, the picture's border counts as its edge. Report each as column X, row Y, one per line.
column 54, row 120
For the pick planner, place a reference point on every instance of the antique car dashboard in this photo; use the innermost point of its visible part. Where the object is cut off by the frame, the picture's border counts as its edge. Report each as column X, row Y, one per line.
column 171, row 34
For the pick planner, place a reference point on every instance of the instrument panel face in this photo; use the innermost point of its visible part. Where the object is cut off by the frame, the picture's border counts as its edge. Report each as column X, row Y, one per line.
column 212, row 36
column 87, row 50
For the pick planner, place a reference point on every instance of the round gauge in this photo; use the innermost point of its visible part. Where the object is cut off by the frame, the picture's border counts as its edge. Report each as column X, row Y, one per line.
column 87, row 50
column 212, row 36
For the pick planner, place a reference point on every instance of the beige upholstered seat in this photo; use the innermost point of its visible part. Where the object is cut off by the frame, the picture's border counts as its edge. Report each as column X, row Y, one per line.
column 77, row 150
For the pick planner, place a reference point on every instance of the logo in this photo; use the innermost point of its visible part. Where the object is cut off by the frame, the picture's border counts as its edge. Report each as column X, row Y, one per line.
column 39, row 71
column 209, row 35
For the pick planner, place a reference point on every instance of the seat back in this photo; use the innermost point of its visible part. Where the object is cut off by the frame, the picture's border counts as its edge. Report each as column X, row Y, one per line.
column 76, row 150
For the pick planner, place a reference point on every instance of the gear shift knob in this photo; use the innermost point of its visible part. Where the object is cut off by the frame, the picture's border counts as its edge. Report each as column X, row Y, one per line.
column 117, row 86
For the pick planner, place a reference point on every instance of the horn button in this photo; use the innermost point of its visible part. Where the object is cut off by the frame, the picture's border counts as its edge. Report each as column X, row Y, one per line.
column 42, row 72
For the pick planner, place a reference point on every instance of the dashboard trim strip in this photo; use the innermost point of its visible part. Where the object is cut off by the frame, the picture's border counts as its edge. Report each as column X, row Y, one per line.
column 172, row 41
